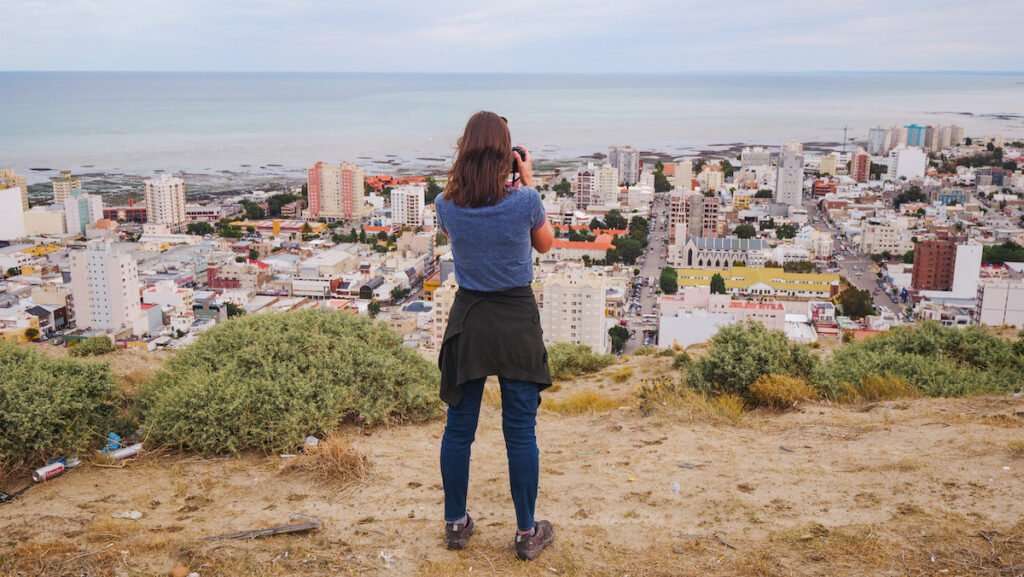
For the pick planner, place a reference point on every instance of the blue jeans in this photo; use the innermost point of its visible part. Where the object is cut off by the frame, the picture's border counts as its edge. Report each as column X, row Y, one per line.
column 519, row 401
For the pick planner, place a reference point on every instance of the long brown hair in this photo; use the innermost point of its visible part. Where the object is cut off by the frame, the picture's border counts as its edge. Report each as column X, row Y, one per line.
column 482, row 162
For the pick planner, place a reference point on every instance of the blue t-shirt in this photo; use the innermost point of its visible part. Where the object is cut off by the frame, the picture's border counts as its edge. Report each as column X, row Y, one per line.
column 491, row 244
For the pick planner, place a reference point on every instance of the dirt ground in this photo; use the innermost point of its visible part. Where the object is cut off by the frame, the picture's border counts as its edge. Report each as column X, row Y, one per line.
column 919, row 487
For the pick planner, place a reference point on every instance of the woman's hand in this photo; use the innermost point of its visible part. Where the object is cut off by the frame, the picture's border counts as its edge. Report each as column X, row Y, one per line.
column 525, row 167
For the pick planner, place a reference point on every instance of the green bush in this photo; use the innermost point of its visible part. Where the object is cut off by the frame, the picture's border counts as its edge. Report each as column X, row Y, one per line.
column 568, row 360
column 92, row 346
column 266, row 381
column 937, row 360
column 51, row 407
column 739, row 354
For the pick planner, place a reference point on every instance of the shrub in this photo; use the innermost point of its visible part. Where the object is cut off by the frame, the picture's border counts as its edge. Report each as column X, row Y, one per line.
column 681, row 360
column 645, row 351
column 582, row 402
column 51, row 407
column 568, row 360
column 674, row 395
column 1016, row 448
column 333, row 460
column 266, row 381
column 92, row 346
column 874, row 388
column 622, row 375
column 935, row 360
column 739, row 354
column 780, row 392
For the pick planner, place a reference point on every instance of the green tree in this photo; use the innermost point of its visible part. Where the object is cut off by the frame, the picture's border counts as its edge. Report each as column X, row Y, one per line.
column 31, row 334
column 745, row 231
column 619, row 335
column 92, row 346
column 629, row 249
column 199, row 228
column 911, row 195
column 908, row 257
column 399, row 293
column 727, row 168
column 856, row 303
column 668, row 281
column 254, row 254
column 563, row 188
column 786, row 231
column 614, row 219
column 13, row 271
column 1009, row 251
column 595, row 224
column 804, row 266
column 432, row 190
column 253, row 211
column 230, row 232
column 661, row 182
column 373, row 309
column 274, row 203
column 764, row 193
column 717, row 284
column 234, row 310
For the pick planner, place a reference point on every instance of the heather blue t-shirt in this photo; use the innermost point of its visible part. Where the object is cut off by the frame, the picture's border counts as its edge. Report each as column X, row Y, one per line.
column 491, row 244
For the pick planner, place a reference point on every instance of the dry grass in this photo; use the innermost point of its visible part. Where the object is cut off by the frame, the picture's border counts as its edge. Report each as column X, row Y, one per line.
column 1016, row 448
column 669, row 395
column 334, row 460
column 874, row 388
column 621, row 374
column 780, row 392
column 582, row 403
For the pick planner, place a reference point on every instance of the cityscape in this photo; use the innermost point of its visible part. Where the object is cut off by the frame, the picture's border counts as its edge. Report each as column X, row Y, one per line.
column 917, row 223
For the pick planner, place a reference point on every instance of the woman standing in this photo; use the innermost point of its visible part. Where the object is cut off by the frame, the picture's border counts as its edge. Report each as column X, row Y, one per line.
column 494, row 323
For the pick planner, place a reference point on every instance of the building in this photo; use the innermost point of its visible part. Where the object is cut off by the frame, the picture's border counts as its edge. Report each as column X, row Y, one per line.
column 684, row 175
column 443, row 298
column 765, row 282
column 956, row 134
column 915, row 135
column 214, row 212
column 755, row 156
column 860, row 166
column 165, row 202
column 827, row 164
column 626, row 160
column 934, row 260
column 1001, row 303
column 63, row 185
column 596, row 186
column 11, row 179
column 82, row 210
column 879, row 141
column 336, row 192
column 718, row 253
column 907, row 163
column 46, row 219
column 573, row 308
column 105, row 287
column 128, row 213
column 12, row 215
column 249, row 277
column 822, row 187
column 697, row 213
column 789, row 179
column 879, row 236
column 172, row 299
column 407, row 202
column 711, row 177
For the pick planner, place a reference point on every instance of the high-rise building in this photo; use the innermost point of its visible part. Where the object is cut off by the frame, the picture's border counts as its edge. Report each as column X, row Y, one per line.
column 711, row 177
column 105, row 287
column 789, row 179
column 626, row 160
column 81, row 210
column 684, row 174
column 165, row 202
column 12, row 215
column 574, row 308
column 698, row 214
column 755, row 156
column 11, row 179
column 63, row 185
column 879, row 141
column 596, row 185
column 337, row 192
column 898, row 137
column 860, row 166
column 827, row 164
column 956, row 134
column 934, row 262
column 915, row 135
column 907, row 162
column 407, row 203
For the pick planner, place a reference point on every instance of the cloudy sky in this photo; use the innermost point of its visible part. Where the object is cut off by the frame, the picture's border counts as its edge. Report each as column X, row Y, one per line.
column 589, row 36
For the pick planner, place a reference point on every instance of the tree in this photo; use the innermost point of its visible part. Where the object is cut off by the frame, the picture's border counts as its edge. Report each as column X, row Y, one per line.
column 399, row 293
column 563, row 188
column 306, row 229
column 253, row 254
column 661, row 183
column 595, row 224
column 764, row 193
column 230, row 232
column 31, row 334
column 745, row 231
column 767, row 224
column 727, row 168
column 803, row 266
column 856, row 303
column 373, row 309
column 668, row 281
column 912, row 194
column 253, row 211
column 614, row 219
column 432, row 190
column 13, row 271
column 619, row 335
column 1009, row 251
column 274, row 203
column 627, row 249
column 786, row 231
column 639, row 223
column 199, row 228
column 908, row 257
column 717, row 284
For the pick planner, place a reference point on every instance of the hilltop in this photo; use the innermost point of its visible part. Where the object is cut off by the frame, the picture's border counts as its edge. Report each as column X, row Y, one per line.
column 905, row 487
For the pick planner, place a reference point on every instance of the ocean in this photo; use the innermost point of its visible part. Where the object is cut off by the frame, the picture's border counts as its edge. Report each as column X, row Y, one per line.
column 208, row 122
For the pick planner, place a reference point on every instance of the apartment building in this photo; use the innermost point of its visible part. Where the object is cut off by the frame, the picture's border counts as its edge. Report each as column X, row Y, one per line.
column 574, row 308
column 626, row 160
column 884, row 236
column 827, row 164
column 697, row 212
column 789, row 179
column 443, row 298
column 82, row 210
column 105, row 287
column 860, row 166
column 336, row 192
column 407, row 202
column 755, row 156
column 165, row 202
column 11, row 179
column 596, row 186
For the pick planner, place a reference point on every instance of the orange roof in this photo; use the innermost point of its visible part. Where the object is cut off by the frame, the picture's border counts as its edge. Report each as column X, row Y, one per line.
column 602, row 242
column 369, row 228
column 669, row 169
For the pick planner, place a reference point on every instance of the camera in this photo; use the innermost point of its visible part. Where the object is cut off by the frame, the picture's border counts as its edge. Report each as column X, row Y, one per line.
column 515, row 161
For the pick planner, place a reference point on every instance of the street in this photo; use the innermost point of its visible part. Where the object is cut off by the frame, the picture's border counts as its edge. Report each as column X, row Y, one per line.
column 653, row 260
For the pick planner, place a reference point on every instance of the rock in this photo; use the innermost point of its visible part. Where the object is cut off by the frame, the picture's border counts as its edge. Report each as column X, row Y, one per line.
column 677, row 550
column 133, row 515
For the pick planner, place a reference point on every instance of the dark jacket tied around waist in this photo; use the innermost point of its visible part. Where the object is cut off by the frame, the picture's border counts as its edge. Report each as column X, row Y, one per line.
column 492, row 333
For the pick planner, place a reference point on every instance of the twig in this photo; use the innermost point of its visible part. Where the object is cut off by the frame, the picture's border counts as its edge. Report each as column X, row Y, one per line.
column 100, row 550
column 722, row 541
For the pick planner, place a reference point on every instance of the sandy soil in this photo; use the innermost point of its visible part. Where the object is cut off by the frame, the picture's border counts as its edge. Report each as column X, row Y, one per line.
column 923, row 487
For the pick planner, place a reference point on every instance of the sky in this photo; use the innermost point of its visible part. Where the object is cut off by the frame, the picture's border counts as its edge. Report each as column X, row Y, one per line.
column 521, row 36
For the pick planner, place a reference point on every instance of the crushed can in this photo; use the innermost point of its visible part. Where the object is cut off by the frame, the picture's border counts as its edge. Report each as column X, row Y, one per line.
column 54, row 469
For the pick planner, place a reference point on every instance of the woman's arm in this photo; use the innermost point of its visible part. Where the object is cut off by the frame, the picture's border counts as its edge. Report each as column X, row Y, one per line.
column 542, row 237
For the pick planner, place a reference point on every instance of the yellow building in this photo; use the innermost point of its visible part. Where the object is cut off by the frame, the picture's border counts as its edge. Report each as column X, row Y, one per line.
column 11, row 179
column 741, row 201
column 773, row 282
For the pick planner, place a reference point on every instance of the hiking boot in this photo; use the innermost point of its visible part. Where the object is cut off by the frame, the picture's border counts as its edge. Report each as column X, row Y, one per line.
column 457, row 536
column 529, row 546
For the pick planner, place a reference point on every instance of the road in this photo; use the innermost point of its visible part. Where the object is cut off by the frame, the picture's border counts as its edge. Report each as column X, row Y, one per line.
column 654, row 259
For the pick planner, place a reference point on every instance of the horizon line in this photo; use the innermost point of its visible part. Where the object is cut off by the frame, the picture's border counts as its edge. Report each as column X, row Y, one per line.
column 533, row 73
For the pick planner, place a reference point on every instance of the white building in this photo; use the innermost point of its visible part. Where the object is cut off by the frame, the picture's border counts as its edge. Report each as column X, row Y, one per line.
column 884, row 236
column 63, row 185
column 626, row 160
column 407, row 202
column 789, row 180
column 574, row 307
column 907, row 162
column 11, row 179
column 879, row 141
column 165, row 202
column 166, row 294
column 47, row 219
column 105, row 287
column 684, row 175
column 756, row 156
column 1001, row 302
column 444, row 297
column 596, row 186
column 12, row 215
column 82, row 210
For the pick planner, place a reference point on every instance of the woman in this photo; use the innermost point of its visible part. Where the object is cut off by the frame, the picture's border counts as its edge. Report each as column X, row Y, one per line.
column 494, row 324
